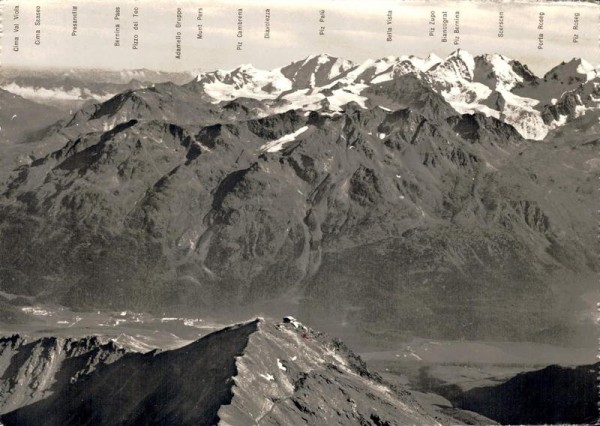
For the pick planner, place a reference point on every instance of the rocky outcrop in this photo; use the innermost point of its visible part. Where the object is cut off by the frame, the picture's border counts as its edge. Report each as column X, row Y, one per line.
column 32, row 370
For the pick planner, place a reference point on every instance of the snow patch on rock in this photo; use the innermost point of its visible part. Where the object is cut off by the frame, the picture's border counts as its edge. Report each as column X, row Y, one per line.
column 277, row 145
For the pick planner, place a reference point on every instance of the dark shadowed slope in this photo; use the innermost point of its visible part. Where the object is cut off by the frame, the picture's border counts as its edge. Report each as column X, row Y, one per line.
column 185, row 386
column 554, row 395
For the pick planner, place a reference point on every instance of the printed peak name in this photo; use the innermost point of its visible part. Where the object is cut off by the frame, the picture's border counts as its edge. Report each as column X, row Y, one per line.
column 74, row 12
column 322, row 22
column 178, row 24
column 576, row 17
column 456, row 41
column 267, row 23
column 389, row 28
column 240, row 29
column 38, row 22
column 431, row 24
column 117, row 18
column 16, row 12
column 136, row 27
column 199, row 26
column 540, row 27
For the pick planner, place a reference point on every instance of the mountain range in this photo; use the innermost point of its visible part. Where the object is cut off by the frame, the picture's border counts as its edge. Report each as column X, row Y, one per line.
column 70, row 89
column 401, row 196
column 493, row 85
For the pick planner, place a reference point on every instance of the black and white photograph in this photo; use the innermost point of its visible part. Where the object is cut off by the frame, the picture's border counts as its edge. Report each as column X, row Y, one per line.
column 236, row 212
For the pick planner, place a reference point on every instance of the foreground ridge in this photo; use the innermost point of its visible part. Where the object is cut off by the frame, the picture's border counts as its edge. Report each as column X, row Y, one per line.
column 257, row 372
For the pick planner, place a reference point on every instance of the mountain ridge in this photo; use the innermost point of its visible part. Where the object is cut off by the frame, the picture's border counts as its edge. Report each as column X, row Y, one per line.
column 258, row 372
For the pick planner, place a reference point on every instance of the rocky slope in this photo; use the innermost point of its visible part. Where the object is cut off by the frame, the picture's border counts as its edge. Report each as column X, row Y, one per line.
column 33, row 370
column 553, row 395
column 257, row 372
column 371, row 188
column 21, row 120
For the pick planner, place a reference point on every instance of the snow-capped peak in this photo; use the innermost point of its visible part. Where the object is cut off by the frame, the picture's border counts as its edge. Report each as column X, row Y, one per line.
column 496, row 71
column 315, row 70
column 369, row 69
column 244, row 81
column 373, row 71
column 460, row 64
column 245, row 68
column 425, row 64
column 466, row 58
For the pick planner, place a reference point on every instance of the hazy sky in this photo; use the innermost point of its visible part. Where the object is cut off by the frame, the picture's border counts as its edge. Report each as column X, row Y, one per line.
column 354, row 29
